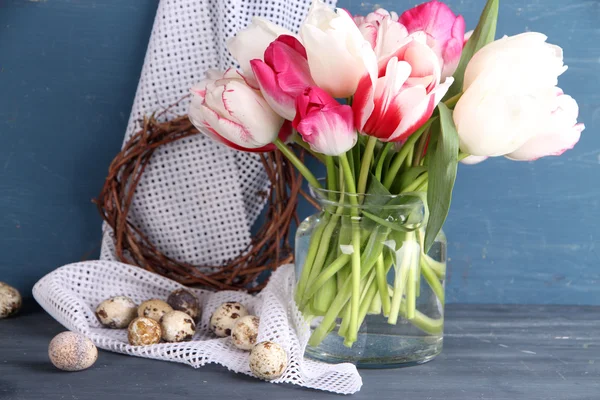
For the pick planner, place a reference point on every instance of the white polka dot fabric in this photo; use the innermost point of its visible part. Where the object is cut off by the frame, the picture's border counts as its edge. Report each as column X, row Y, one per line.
column 71, row 294
column 197, row 202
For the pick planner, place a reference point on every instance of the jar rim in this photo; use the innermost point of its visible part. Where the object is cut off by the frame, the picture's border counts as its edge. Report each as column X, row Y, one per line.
column 332, row 198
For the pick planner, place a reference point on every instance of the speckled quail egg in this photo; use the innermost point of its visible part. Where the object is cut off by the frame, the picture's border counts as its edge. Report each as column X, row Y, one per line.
column 177, row 326
column 154, row 309
column 225, row 317
column 143, row 331
column 72, row 351
column 10, row 300
column 186, row 301
column 268, row 360
column 244, row 332
column 116, row 312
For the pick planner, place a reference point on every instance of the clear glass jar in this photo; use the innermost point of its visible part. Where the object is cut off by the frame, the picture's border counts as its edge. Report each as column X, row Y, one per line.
column 369, row 258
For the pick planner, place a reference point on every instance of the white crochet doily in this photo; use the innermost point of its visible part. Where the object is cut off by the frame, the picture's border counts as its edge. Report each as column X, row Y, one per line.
column 71, row 294
column 197, row 201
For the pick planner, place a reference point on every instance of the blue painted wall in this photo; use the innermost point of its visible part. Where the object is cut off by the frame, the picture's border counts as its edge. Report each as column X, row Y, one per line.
column 518, row 232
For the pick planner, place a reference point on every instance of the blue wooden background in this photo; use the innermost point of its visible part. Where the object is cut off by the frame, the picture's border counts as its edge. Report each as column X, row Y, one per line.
column 518, row 232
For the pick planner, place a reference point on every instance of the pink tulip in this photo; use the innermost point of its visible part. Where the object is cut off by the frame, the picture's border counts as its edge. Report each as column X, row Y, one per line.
column 227, row 110
column 323, row 123
column 445, row 32
column 561, row 133
column 384, row 33
column 376, row 16
column 403, row 99
column 283, row 75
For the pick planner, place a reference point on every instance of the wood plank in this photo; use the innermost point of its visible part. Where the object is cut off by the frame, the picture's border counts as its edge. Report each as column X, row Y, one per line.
column 492, row 352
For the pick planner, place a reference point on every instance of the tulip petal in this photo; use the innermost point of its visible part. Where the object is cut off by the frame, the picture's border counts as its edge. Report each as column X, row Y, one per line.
column 472, row 160
column 363, row 104
column 226, row 109
column 387, row 115
column 519, row 57
column 445, row 32
column 250, row 43
column 562, row 134
column 495, row 125
column 329, row 131
column 291, row 66
column 280, row 102
column 247, row 105
column 338, row 55
column 416, row 107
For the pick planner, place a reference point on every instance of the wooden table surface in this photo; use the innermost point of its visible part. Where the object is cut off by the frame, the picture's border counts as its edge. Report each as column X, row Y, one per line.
column 491, row 352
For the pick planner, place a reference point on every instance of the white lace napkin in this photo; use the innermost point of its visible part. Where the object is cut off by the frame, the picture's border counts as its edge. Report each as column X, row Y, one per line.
column 71, row 293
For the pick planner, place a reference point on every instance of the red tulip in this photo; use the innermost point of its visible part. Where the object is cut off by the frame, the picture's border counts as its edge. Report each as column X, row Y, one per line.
column 403, row 99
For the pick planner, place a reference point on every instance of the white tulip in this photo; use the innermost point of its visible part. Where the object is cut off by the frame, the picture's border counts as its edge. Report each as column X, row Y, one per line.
column 561, row 132
column 226, row 109
column 251, row 43
column 521, row 59
column 338, row 55
column 509, row 95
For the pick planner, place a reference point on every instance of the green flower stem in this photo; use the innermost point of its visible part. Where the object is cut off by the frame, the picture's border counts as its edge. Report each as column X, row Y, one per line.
column 313, row 246
column 365, row 284
column 365, row 167
column 357, row 160
column 324, row 297
column 382, row 285
column 437, row 267
column 369, row 297
column 355, row 275
column 425, row 323
column 411, row 281
column 429, row 274
column 326, row 275
column 375, row 307
column 401, row 156
column 323, row 245
column 416, row 183
column 350, row 155
column 401, row 281
column 323, row 250
column 332, row 183
column 369, row 292
column 451, row 102
column 298, row 140
column 343, row 296
column 432, row 279
column 329, row 318
column 345, row 316
column 418, row 280
column 409, row 159
column 420, row 148
column 422, row 187
column 381, row 160
column 399, row 284
column 291, row 156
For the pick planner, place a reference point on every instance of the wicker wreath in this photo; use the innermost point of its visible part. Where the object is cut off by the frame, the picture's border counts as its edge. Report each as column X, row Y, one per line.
column 268, row 249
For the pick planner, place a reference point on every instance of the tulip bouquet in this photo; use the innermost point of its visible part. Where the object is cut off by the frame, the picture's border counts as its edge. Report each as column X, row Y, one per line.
column 390, row 104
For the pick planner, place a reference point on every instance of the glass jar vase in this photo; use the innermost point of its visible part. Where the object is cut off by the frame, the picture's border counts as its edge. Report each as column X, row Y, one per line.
column 373, row 297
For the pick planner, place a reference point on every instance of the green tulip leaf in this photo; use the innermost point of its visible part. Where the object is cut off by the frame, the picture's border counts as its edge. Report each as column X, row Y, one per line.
column 484, row 33
column 442, row 175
